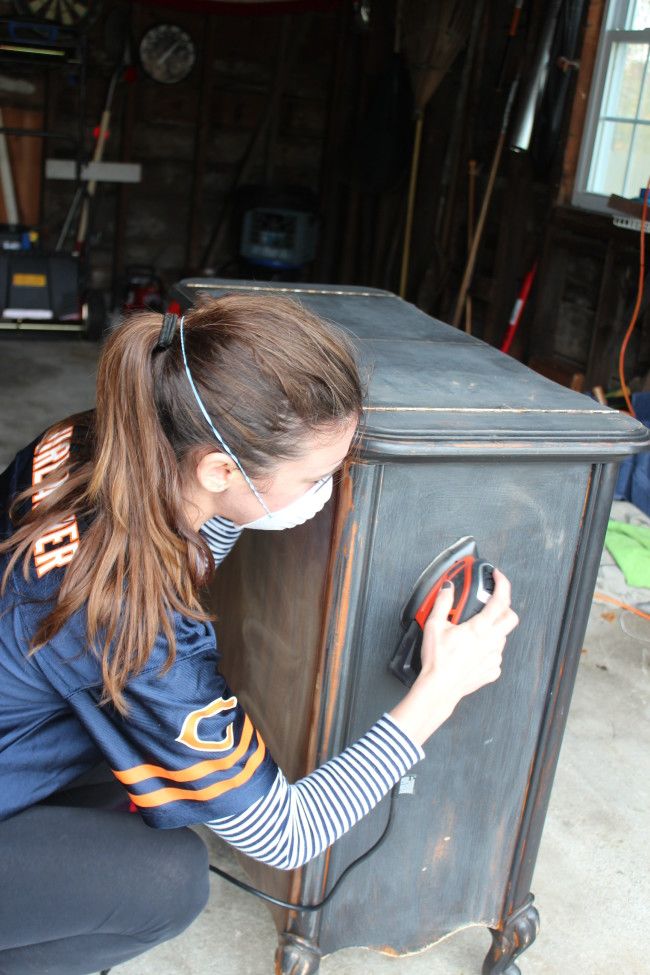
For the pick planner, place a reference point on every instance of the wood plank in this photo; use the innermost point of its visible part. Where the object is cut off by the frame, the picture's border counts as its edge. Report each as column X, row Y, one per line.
column 25, row 153
column 580, row 98
column 203, row 125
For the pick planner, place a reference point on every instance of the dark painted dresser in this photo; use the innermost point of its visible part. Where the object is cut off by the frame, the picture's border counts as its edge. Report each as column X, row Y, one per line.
column 460, row 439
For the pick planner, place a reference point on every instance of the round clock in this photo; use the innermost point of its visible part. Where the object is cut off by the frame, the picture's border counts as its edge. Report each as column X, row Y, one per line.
column 167, row 53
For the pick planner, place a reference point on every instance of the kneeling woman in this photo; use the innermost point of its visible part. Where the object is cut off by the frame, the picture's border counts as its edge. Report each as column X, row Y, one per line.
column 111, row 523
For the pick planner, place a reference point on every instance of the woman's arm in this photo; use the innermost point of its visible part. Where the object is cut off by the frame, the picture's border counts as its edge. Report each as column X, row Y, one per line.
column 298, row 822
column 294, row 823
column 189, row 753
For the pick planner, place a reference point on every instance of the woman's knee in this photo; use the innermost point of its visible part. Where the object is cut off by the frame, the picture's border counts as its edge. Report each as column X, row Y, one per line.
column 182, row 881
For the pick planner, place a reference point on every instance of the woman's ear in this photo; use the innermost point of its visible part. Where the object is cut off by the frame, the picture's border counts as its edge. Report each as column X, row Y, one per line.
column 215, row 471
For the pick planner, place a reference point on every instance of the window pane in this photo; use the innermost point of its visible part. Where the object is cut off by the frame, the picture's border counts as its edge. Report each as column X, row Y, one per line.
column 639, row 168
column 624, row 79
column 644, row 107
column 638, row 17
column 609, row 161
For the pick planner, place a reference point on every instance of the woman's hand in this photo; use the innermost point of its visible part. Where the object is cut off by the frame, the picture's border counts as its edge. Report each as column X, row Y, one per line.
column 457, row 659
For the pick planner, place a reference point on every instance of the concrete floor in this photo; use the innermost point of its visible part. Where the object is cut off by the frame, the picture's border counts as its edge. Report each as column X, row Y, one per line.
column 592, row 879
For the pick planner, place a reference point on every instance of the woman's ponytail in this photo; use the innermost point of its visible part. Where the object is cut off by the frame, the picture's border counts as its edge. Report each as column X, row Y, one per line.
column 268, row 371
column 145, row 552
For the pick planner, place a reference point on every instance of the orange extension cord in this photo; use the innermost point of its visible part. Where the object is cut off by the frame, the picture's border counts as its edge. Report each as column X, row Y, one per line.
column 602, row 597
column 637, row 305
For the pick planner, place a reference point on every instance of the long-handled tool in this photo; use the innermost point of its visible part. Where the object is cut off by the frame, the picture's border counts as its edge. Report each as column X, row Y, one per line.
column 518, row 308
column 471, row 194
column 473, row 583
column 100, row 145
column 435, row 36
column 512, row 32
column 478, row 233
column 84, row 193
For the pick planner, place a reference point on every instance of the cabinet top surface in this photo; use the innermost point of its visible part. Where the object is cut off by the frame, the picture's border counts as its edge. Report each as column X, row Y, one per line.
column 431, row 384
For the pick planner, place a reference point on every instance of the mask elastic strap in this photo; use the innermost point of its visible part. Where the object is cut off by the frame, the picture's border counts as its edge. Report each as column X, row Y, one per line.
column 214, row 429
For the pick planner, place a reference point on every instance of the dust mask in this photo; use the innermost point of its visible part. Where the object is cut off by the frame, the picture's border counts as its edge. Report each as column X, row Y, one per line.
column 298, row 511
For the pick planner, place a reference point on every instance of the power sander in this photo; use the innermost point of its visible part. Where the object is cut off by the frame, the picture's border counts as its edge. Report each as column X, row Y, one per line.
column 473, row 582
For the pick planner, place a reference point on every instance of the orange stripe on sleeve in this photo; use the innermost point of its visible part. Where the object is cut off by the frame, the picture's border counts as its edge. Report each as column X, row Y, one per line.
column 162, row 796
column 131, row 776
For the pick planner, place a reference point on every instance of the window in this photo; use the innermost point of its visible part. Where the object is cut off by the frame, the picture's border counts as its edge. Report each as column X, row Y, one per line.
column 615, row 150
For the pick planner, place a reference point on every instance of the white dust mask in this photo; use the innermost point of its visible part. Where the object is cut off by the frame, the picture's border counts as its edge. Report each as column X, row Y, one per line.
column 298, row 511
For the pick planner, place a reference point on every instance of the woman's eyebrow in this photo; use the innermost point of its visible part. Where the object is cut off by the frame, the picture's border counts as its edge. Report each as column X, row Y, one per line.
column 327, row 473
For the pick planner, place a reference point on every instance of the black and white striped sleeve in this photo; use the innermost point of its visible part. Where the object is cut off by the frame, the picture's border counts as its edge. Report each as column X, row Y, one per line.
column 221, row 535
column 292, row 824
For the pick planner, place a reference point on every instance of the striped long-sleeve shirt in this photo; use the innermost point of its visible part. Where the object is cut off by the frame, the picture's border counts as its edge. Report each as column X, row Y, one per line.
column 294, row 823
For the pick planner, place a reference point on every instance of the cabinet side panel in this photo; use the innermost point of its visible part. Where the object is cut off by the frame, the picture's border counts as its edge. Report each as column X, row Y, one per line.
column 269, row 594
column 447, row 858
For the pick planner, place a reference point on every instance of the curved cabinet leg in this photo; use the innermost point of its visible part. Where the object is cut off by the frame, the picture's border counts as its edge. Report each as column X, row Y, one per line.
column 518, row 933
column 296, row 956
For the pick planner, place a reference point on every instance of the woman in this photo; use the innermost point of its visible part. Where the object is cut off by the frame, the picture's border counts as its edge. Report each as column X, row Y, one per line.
column 111, row 698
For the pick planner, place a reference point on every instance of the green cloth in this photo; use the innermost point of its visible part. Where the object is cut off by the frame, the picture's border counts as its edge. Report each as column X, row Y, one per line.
column 630, row 547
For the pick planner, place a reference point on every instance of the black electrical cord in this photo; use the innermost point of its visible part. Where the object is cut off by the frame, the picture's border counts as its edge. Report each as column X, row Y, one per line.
column 307, row 907
column 314, row 907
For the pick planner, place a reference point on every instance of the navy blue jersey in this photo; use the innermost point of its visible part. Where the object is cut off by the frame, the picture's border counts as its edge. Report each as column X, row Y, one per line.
column 186, row 752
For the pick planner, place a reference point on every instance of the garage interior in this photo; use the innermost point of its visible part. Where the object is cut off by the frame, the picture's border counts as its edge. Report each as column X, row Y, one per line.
column 458, row 154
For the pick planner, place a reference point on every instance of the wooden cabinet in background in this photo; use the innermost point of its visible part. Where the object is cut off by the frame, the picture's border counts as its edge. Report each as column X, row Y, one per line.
column 583, row 299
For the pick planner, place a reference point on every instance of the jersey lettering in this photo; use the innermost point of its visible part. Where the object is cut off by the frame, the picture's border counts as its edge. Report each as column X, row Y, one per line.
column 50, row 458
column 64, row 539
column 56, row 547
column 50, row 452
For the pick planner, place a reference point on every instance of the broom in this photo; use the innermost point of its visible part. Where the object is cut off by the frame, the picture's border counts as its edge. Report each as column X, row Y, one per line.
column 434, row 35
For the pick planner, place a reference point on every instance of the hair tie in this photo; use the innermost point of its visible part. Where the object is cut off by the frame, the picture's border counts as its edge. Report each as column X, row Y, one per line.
column 211, row 424
column 167, row 331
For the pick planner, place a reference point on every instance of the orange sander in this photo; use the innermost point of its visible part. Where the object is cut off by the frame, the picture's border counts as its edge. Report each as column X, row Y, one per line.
column 473, row 584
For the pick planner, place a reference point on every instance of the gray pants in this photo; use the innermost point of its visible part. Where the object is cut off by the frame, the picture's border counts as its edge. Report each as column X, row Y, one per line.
column 85, row 885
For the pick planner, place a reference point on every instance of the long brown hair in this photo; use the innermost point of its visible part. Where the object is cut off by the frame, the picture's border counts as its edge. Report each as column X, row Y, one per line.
column 268, row 371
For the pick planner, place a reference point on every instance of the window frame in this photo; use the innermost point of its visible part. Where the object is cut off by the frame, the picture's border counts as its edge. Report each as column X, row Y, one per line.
column 615, row 13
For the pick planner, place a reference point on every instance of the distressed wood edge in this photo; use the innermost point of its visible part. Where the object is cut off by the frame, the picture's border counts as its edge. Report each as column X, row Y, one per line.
column 594, row 520
column 346, row 574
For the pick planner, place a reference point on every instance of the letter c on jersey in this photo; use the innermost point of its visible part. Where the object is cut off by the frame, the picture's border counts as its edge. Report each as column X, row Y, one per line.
column 189, row 732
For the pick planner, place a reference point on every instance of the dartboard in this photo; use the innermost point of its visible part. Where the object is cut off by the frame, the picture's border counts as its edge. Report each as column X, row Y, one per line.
column 68, row 12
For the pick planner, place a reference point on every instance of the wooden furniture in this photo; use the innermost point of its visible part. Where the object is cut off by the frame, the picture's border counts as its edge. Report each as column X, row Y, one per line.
column 460, row 440
column 586, row 287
